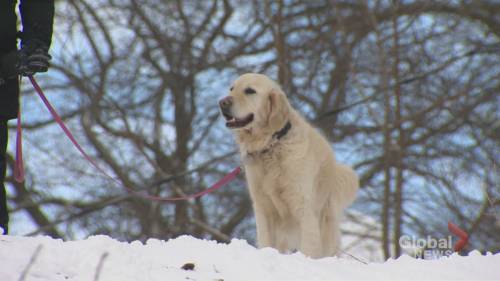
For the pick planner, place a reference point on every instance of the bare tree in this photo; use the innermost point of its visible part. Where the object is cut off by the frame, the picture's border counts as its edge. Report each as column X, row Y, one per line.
column 138, row 82
column 421, row 70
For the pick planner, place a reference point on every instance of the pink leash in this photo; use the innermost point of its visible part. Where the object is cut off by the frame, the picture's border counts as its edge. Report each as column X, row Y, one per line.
column 19, row 167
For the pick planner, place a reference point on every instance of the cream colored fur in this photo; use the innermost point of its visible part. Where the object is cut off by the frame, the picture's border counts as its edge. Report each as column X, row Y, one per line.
column 298, row 189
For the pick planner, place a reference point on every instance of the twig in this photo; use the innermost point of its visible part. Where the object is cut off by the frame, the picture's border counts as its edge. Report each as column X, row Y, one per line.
column 213, row 231
column 403, row 81
column 83, row 212
column 30, row 263
column 354, row 257
column 99, row 266
column 203, row 225
column 194, row 170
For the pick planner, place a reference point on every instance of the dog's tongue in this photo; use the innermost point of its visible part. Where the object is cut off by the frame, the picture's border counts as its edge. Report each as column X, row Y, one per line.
column 235, row 122
column 239, row 122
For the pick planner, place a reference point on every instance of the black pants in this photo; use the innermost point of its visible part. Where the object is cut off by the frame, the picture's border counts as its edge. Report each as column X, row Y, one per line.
column 4, row 215
column 9, row 106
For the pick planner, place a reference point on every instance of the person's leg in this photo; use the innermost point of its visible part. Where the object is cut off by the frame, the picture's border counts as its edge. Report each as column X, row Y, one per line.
column 9, row 92
column 4, row 214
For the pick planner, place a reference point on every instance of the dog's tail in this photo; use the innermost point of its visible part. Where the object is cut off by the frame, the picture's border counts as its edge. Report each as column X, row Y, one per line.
column 348, row 184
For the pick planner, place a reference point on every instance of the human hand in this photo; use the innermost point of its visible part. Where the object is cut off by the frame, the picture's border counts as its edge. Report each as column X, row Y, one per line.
column 33, row 61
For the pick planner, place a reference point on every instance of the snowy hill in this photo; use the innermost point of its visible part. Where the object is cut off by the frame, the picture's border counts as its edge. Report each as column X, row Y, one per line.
column 102, row 258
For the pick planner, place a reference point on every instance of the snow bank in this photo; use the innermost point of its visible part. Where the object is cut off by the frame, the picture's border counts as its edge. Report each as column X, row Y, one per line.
column 105, row 259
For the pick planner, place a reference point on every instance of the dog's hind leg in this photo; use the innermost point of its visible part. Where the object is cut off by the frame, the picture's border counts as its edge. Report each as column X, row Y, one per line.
column 339, row 188
column 346, row 185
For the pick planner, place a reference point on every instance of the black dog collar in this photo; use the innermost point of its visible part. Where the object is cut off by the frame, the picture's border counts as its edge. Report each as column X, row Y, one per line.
column 281, row 133
column 277, row 135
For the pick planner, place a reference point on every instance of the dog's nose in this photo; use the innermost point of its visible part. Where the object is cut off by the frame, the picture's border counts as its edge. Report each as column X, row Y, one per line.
column 226, row 102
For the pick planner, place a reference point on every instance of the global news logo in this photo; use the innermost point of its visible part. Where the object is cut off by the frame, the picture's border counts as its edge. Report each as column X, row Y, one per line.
column 431, row 247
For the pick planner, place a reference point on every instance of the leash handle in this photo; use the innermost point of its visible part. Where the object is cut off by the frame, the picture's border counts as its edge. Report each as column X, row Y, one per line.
column 225, row 180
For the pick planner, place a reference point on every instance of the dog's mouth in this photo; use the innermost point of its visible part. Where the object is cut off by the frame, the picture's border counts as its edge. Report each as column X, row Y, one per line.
column 235, row 123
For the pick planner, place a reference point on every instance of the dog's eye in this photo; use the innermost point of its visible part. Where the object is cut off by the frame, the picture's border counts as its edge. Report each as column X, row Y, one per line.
column 250, row 91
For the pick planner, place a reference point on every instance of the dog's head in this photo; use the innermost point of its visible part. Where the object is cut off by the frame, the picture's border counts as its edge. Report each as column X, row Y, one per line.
column 255, row 104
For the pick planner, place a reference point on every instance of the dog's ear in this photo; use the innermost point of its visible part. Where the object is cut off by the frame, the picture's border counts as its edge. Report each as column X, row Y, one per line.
column 278, row 109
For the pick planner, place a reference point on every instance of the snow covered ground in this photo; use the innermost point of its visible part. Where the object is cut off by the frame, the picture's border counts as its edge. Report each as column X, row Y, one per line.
column 105, row 259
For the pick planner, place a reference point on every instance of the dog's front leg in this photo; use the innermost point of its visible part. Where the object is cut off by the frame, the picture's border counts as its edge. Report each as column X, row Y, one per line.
column 310, row 235
column 265, row 232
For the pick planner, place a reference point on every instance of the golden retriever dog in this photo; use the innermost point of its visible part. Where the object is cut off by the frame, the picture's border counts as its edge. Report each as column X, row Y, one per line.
column 298, row 189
